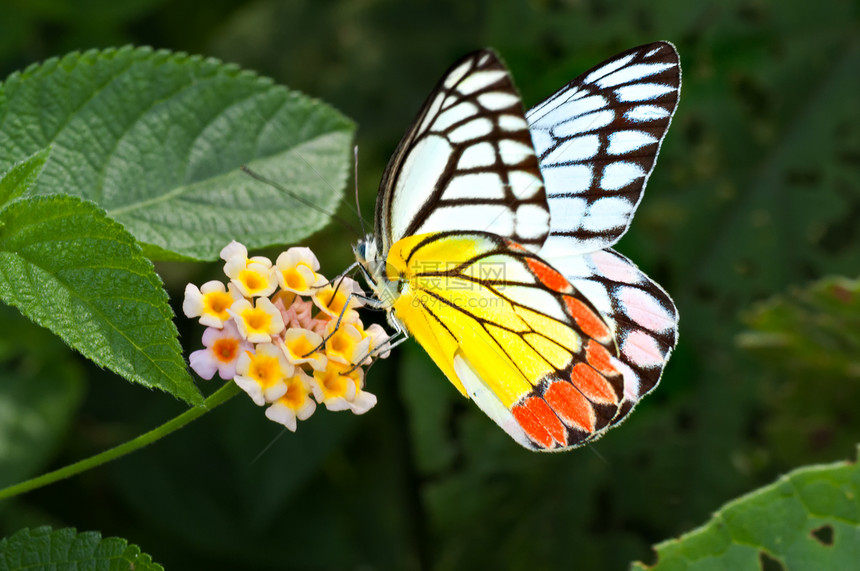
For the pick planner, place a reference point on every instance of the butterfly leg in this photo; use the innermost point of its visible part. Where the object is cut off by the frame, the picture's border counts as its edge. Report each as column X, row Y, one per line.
column 371, row 302
column 400, row 335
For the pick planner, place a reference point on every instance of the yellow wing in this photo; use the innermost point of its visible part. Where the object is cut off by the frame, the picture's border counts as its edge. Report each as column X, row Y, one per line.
column 511, row 333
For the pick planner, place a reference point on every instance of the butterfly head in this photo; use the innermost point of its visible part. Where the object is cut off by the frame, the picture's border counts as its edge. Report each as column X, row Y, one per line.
column 365, row 249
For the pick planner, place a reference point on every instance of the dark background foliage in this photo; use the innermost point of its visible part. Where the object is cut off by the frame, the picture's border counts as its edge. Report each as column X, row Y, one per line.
column 757, row 189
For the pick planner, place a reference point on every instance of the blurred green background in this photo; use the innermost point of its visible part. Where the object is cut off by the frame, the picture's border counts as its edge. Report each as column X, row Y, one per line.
column 757, row 190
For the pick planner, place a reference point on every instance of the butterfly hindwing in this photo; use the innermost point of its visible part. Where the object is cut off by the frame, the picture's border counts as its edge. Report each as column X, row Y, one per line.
column 513, row 334
column 643, row 315
column 597, row 140
column 467, row 163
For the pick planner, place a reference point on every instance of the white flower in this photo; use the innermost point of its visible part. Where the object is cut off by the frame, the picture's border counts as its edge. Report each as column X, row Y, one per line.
column 253, row 277
column 346, row 345
column 257, row 323
column 263, row 374
column 332, row 298
column 210, row 302
column 295, row 404
column 297, row 271
column 299, row 347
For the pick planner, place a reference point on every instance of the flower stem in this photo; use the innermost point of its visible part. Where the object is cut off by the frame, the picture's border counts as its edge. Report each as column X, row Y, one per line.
column 220, row 396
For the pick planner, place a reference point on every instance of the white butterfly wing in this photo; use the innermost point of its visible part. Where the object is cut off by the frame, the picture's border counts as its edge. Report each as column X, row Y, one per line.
column 466, row 164
column 597, row 141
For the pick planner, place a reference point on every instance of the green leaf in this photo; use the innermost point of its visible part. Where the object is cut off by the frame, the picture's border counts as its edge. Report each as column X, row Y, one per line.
column 66, row 549
column 71, row 269
column 810, row 339
column 18, row 179
column 813, row 329
column 157, row 138
column 808, row 519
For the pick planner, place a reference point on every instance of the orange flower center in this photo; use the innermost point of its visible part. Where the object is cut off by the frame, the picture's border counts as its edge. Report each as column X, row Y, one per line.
column 226, row 349
column 340, row 343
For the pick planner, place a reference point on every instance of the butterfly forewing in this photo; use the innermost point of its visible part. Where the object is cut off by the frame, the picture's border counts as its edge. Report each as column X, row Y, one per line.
column 597, row 140
column 467, row 163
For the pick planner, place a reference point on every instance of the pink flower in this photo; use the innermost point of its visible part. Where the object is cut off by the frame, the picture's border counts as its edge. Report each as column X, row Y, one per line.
column 223, row 347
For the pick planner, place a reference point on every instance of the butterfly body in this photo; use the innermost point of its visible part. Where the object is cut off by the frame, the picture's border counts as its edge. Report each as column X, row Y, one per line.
column 491, row 244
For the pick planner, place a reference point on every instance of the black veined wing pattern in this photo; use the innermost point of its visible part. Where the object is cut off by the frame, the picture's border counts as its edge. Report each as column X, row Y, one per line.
column 468, row 163
column 597, row 140
column 491, row 243
column 641, row 313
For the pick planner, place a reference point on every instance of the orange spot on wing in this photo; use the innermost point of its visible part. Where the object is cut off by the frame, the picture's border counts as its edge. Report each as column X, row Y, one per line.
column 570, row 405
column 548, row 276
column 592, row 384
column 599, row 358
column 539, row 421
column 586, row 319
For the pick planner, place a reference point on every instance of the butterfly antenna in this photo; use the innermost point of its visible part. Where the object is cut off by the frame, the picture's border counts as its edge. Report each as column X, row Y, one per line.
column 357, row 203
column 293, row 195
column 269, row 445
column 591, row 447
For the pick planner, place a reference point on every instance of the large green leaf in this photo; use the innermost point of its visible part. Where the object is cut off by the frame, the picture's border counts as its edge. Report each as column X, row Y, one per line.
column 68, row 267
column 156, row 139
column 43, row 549
column 808, row 519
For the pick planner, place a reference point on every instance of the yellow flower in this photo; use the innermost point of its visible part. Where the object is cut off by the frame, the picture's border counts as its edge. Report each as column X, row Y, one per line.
column 347, row 345
column 297, row 271
column 363, row 402
column 253, row 277
column 263, row 374
column 332, row 298
column 299, row 347
column 234, row 250
column 340, row 387
column 334, row 387
column 295, row 404
column 263, row 340
column 210, row 302
column 378, row 341
column 257, row 324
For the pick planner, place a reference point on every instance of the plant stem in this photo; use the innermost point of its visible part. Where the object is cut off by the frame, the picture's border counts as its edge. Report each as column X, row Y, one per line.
column 220, row 396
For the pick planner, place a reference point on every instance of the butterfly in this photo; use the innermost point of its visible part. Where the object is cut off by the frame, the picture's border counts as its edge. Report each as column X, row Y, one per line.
column 492, row 243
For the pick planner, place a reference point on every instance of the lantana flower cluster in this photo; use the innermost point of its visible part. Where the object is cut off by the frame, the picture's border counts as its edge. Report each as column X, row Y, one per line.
column 273, row 329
